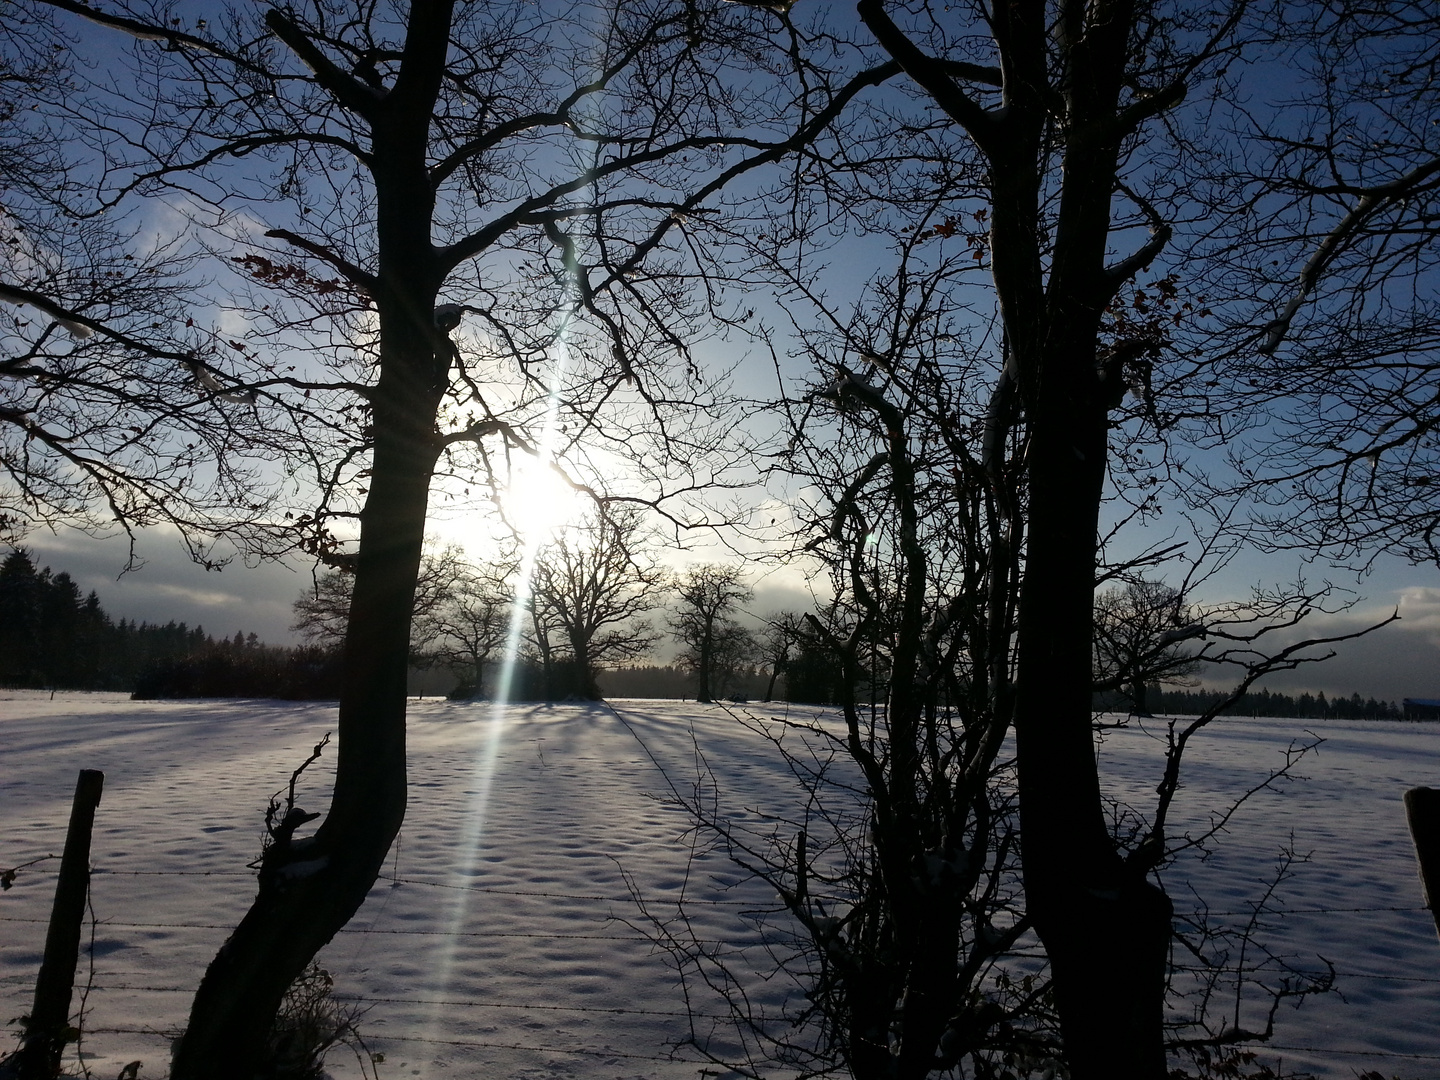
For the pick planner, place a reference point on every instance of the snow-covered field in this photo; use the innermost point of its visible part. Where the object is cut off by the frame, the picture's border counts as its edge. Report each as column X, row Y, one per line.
column 497, row 942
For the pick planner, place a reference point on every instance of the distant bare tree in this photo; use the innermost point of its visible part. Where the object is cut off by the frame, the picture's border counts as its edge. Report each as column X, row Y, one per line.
column 592, row 583
column 543, row 632
column 707, row 595
column 322, row 614
column 778, row 643
column 1140, row 633
column 468, row 622
column 734, row 650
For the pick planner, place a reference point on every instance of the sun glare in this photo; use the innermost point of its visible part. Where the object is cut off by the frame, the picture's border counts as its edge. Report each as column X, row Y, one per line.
column 537, row 501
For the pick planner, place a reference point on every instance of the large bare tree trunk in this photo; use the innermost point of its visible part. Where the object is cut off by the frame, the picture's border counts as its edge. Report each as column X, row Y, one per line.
column 702, row 669
column 585, row 685
column 547, row 662
column 310, row 888
column 1106, row 928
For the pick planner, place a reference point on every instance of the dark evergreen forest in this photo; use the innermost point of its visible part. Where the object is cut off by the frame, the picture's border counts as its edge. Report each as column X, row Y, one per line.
column 52, row 638
column 1305, row 706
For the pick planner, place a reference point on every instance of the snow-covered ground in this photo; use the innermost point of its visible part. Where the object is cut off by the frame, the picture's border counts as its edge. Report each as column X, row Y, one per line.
column 498, row 942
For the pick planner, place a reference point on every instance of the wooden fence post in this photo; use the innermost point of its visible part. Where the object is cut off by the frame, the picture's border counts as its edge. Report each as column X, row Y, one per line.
column 1422, row 810
column 46, row 1030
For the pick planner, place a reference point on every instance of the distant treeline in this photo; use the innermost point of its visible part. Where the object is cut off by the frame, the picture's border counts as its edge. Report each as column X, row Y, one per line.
column 669, row 681
column 1260, row 703
column 244, row 668
column 809, row 677
column 51, row 638
column 675, row 682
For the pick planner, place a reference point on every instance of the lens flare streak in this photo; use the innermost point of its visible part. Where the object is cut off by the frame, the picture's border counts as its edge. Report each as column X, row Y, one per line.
column 491, row 737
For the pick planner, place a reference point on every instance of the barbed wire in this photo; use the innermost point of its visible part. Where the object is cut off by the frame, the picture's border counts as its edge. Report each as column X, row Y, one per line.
column 481, row 1044
column 370, row 930
column 626, row 899
column 26, row 979
column 1187, row 915
column 430, row 1040
column 1354, row 1053
column 740, row 906
column 366, row 999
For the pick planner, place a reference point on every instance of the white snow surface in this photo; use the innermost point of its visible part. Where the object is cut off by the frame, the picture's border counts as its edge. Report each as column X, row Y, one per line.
column 498, row 942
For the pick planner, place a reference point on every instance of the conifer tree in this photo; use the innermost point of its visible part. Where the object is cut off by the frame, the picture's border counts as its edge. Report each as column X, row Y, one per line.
column 20, row 618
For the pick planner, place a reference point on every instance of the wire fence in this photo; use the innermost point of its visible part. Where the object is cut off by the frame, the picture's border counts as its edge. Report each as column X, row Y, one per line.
column 627, row 898
column 102, row 981
column 112, row 981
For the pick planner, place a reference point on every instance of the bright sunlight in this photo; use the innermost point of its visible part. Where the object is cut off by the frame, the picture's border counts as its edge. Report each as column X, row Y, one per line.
column 538, row 501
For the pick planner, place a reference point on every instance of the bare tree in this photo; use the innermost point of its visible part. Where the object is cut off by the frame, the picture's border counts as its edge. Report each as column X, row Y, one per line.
column 707, row 594
column 733, row 652
column 543, row 631
column 897, row 862
column 322, row 614
column 1140, row 633
column 1340, row 373
column 592, row 583
column 1047, row 106
column 468, row 623
column 1027, row 199
column 933, row 910
column 778, row 642
column 117, row 408
column 904, row 900
column 970, row 414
